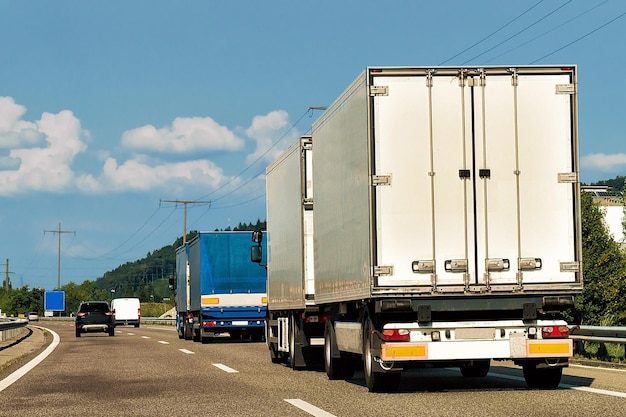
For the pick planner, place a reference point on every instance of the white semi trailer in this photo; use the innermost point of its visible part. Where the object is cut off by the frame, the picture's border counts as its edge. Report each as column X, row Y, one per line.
column 446, row 226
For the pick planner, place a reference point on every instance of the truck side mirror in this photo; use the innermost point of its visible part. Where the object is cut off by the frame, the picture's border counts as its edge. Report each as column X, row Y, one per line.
column 172, row 284
column 256, row 254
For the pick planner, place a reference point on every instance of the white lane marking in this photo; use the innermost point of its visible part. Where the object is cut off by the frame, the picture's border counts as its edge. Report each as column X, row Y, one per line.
column 132, row 334
column 309, row 408
column 163, row 342
column 6, row 382
column 188, row 352
column 226, row 368
column 567, row 386
column 571, row 365
column 145, row 337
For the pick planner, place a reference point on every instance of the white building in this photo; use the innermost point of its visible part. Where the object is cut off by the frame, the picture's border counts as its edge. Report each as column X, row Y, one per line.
column 612, row 206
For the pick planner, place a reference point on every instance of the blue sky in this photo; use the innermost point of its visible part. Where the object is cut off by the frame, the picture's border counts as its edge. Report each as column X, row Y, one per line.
column 107, row 108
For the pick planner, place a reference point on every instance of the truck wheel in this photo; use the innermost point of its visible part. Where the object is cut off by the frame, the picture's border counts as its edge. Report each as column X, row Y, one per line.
column 477, row 369
column 376, row 381
column 336, row 368
column 274, row 354
column 294, row 357
column 186, row 330
column 112, row 331
column 197, row 335
column 77, row 333
column 542, row 378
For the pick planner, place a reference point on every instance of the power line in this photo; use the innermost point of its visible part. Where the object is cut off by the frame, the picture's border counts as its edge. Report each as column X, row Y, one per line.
column 521, row 31
column 59, row 232
column 581, row 38
column 185, row 202
column 258, row 159
column 551, row 30
column 493, row 33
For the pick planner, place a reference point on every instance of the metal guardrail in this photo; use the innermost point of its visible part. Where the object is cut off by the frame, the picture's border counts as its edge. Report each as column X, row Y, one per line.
column 10, row 328
column 601, row 334
column 144, row 320
column 158, row 321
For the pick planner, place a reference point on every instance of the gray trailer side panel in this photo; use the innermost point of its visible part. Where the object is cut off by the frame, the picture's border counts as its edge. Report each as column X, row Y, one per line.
column 341, row 216
column 285, row 285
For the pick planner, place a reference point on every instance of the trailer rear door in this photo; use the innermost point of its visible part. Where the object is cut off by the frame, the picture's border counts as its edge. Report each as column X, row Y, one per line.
column 474, row 177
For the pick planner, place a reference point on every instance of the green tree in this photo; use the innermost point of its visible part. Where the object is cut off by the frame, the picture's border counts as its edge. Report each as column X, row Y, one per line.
column 624, row 210
column 604, row 269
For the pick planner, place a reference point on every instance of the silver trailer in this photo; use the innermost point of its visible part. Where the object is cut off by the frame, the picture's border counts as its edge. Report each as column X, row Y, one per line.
column 295, row 331
column 446, row 223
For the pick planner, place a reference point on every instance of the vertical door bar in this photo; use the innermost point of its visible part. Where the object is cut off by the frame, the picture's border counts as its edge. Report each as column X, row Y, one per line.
column 517, row 172
column 483, row 85
column 462, row 82
column 431, row 173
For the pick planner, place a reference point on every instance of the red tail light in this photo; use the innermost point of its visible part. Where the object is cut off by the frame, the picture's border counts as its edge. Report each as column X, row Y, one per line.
column 108, row 313
column 555, row 332
column 80, row 313
column 209, row 324
column 396, row 335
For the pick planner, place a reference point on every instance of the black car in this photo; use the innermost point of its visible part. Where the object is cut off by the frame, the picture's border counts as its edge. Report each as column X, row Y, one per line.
column 94, row 316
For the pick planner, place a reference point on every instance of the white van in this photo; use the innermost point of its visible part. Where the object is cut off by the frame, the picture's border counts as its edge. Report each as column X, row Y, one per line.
column 127, row 311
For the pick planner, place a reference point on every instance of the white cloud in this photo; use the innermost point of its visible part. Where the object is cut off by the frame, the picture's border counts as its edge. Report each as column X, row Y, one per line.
column 140, row 175
column 268, row 130
column 604, row 162
column 46, row 167
column 15, row 132
column 40, row 155
column 186, row 135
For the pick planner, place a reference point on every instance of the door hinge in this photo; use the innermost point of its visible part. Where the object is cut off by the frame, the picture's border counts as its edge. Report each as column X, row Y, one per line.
column 565, row 89
column 383, row 270
column 568, row 177
column 573, row 266
column 379, row 90
column 381, row 180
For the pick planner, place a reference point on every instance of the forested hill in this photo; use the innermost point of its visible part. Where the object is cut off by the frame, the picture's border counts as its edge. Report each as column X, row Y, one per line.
column 617, row 183
column 147, row 278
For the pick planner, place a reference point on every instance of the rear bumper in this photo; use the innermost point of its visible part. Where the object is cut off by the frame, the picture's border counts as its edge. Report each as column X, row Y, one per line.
column 504, row 349
column 99, row 327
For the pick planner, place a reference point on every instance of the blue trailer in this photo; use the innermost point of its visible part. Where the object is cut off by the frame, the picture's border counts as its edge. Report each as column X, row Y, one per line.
column 218, row 290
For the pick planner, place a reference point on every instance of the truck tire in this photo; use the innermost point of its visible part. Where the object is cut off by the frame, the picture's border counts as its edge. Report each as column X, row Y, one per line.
column 338, row 367
column 542, row 378
column 111, row 331
column 186, row 330
column 197, row 335
column 477, row 369
column 77, row 333
column 376, row 381
column 295, row 351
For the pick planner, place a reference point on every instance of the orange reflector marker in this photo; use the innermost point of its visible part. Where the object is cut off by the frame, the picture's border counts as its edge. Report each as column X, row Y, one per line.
column 402, row 351
column 552, row 348
column 210, row 300
column 264, row 300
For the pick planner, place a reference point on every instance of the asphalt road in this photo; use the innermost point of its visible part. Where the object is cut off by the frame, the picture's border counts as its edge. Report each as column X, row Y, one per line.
column 149, row 371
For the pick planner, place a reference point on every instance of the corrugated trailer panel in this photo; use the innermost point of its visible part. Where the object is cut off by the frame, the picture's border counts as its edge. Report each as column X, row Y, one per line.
column 341, row 216
column 285, row 235
column 475, row 174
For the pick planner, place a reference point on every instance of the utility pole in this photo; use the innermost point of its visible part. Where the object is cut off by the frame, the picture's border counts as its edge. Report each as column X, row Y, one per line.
column 6, row 282
column 185, row 202
column 59, row 232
